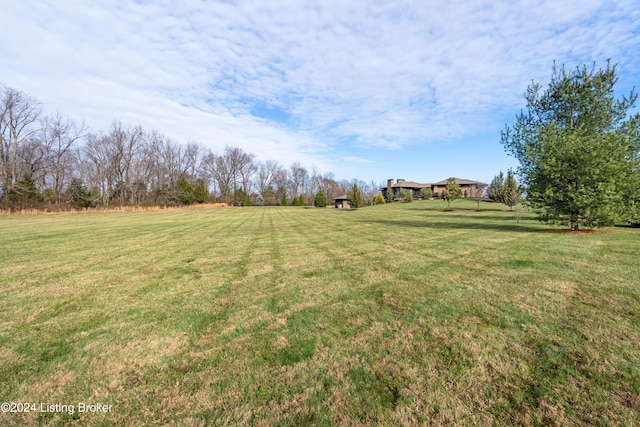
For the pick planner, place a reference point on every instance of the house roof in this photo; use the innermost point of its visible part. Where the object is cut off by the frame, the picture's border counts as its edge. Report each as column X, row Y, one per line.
column 413, row 184
column 408, row 184
column 459, row 181
column 342, row 197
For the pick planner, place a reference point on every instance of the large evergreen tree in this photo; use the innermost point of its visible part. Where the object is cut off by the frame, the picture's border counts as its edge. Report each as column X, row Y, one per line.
column 577, row 147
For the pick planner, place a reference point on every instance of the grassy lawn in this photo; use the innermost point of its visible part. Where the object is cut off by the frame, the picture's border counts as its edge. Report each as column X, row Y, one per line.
column 399, row 315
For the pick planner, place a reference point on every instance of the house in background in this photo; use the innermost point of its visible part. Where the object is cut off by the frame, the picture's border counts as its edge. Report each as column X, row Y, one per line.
column 341, row 202
column 466, row 185
column 414, row 188
column 410, row 187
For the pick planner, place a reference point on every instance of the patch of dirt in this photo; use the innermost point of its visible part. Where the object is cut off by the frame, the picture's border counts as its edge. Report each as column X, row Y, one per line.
column 629, row 400
column 55, row 383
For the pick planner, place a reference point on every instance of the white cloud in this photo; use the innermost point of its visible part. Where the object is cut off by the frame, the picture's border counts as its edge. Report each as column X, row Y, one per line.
column 377, row 74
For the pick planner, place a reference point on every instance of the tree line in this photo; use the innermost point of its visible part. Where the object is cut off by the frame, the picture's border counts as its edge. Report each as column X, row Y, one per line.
column 55, row 162
column 577, row 143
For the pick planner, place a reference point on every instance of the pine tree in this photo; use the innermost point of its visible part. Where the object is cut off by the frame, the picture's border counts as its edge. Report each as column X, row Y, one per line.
column 183, row 191
column 320, row 200
column 496, row 188
column 200, row 193
column 577, row 147
column 511, row 192
column 354, row 197
column 78, row 194
column 25, row 193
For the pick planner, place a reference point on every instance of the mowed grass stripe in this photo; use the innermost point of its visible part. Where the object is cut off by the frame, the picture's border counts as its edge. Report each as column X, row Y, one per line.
column 395, row 314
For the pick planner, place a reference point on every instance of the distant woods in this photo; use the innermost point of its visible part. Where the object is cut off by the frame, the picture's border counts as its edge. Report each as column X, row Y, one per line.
column 56, row 163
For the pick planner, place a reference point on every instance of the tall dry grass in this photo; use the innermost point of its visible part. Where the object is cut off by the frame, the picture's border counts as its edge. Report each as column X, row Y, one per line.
column 59, row 210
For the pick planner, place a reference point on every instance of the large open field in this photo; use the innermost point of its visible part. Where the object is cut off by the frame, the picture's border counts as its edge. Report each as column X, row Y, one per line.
column 399, row 315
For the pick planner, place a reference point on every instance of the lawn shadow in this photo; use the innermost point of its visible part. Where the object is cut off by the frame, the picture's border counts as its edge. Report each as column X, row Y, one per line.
column 477, row 224
column 454, row 207
column 627, row 225
column 457, row 224
column 480, row 216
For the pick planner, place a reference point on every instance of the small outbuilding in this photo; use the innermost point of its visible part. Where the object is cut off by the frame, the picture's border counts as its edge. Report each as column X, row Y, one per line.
column 341, row 202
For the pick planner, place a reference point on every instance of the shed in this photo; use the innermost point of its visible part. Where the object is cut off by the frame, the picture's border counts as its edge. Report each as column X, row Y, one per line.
column 341, row 202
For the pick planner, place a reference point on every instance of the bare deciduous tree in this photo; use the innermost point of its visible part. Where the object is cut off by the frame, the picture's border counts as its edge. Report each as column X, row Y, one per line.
column 19, row 113
column 126, row 144
column 128, row 166
column 59, row 134
column 267, row 176
column 298, row 179
column 477, row 192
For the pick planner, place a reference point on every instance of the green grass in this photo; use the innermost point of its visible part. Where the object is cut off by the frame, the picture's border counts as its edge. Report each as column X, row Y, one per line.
column 395, row 314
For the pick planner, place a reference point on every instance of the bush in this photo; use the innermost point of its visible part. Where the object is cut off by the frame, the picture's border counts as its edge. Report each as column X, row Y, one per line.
column 378, row 199
column 426, row 193
column 405, row 195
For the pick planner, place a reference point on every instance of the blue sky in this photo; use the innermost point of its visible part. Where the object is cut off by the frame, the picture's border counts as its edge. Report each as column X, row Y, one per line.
column 418, row 90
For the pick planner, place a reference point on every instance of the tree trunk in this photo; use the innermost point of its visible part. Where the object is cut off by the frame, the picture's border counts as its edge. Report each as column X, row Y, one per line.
column 575, row 226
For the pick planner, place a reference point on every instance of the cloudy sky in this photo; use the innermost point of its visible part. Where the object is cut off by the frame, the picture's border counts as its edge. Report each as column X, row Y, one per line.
column 365, row 89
